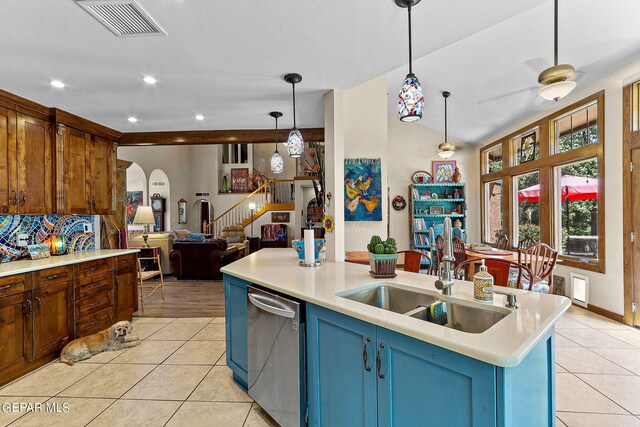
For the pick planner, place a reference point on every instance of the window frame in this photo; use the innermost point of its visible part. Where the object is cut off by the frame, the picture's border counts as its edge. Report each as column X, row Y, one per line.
column 545, row 165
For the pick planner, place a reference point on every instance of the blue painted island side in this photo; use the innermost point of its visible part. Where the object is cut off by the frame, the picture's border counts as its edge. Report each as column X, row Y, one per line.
column 360, row 374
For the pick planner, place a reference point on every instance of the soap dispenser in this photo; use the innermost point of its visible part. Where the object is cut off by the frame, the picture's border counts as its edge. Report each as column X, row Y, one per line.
column 483, row 285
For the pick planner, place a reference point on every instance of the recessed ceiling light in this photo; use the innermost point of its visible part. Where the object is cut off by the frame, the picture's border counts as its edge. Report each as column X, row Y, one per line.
column 57, row 83
column 199, row 117
column 150, row 80
column 132, row 119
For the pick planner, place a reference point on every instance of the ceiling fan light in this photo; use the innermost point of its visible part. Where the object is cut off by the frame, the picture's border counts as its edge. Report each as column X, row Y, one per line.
column 410, row 99
column 295, row 143
column 557, row 90
column 446, row 150
column 277, row 163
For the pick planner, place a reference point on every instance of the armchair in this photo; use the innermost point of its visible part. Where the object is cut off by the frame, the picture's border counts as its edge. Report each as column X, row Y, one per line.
column 274, row 236
column 235, row 237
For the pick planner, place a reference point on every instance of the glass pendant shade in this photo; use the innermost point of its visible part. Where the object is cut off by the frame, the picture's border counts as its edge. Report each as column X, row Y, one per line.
column 295, row 143
column 277, row 163
column 555, row 91
column 410, row 99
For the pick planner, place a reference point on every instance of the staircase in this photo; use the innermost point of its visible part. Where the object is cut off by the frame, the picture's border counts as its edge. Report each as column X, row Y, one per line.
column 273, row 195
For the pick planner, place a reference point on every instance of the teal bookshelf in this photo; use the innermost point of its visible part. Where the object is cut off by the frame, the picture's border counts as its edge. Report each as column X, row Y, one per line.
column 427, row 210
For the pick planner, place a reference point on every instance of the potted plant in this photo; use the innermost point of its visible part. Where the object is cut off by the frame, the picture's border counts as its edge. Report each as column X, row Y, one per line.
column 383, row 256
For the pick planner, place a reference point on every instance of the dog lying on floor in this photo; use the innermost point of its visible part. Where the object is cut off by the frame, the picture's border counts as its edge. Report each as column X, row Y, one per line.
column 113, row 338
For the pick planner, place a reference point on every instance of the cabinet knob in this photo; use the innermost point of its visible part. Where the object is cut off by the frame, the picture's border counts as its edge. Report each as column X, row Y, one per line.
column 365, row 355
column 14, row 197
column 379, row 361
column 38, row 305
column 24, row 198
column 26, row 312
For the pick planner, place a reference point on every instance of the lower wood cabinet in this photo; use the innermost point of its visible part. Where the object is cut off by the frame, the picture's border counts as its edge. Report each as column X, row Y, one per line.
column 40, row 312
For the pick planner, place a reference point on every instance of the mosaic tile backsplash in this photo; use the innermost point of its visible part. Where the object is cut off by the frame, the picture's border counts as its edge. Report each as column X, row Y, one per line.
column 40, row 228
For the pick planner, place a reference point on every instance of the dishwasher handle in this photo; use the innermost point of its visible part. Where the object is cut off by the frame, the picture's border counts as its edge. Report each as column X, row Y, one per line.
column 270, row 308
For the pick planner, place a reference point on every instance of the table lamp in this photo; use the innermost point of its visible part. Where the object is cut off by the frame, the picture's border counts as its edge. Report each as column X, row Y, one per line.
column 144, row 216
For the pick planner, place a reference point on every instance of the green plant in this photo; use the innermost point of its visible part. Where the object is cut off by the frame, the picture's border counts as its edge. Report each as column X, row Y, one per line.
column 378, row 246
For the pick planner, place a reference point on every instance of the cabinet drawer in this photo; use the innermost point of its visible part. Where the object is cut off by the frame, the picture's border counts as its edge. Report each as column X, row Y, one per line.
column 12, row 285
column 94, row 322
column 93, row 285
column 52, row 276
column 126, row 261
column 91, row 268
column 94, row 303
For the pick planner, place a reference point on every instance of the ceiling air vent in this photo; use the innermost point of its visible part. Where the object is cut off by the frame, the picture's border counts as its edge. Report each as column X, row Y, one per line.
column 158, row 184
column 124, row 18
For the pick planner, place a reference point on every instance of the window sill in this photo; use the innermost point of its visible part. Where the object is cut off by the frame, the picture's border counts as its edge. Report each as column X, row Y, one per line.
column 595, row 266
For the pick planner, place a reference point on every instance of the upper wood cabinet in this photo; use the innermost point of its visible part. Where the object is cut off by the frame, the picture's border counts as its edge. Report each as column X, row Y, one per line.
column 26, row 164
column 86, row 173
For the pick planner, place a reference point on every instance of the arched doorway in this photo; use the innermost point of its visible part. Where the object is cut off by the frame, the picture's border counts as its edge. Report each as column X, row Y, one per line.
column 136, row 193
column 159, row 184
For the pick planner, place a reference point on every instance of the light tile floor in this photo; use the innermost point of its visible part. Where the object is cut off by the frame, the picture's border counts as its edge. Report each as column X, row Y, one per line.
column 178, row 377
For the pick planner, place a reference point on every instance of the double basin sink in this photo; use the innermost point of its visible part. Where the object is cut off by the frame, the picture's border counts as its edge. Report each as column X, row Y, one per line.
column 415, row 304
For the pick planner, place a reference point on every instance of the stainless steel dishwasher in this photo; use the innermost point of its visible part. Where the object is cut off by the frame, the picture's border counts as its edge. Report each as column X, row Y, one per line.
column 276, row 356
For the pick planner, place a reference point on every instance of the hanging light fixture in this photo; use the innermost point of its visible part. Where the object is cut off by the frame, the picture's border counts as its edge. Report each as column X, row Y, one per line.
column 295, row 142
column 554, row 80
column 446, row 149
column 277, row 163
column 410, row 98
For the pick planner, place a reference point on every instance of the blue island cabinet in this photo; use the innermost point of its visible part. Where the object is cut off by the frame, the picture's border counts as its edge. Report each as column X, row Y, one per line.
column 365, row 375
column 235, row 310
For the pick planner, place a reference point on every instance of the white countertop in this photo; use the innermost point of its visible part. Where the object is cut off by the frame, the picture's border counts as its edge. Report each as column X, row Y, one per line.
column 504, row 344
column 27, row 266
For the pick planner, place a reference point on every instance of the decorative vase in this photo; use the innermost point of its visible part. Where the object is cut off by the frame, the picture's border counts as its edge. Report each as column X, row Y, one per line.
column 383, row 265
column 457, row 175
column 225, row 185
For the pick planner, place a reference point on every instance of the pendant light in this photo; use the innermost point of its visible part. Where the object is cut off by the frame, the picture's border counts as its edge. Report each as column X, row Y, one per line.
column 295, row 143
column 446, row 149
column 410, row 98
column 277, row 163
column 554, row 80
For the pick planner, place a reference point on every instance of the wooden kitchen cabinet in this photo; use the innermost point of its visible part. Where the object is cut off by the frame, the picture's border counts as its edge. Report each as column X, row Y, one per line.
column 8, row 172
column 52, row 320
column 235, row 311
column 35, row 165
column 88, row 175
column 16, row 312
column 126, row 287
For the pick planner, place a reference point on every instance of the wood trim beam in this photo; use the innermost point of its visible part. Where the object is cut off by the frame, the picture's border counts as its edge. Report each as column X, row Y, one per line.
column 79, row 123
column 201, row 137
column 23, row 105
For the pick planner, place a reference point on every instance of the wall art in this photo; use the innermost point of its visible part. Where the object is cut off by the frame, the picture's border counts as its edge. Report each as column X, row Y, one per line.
column 363, row 190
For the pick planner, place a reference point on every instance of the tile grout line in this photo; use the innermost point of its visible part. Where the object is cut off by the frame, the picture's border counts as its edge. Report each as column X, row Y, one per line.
column 187, row 398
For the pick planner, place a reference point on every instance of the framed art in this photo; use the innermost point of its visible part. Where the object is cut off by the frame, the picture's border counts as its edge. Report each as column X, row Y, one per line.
column 528, row 147
column 280, row 217
column 421, row 177
column 363, row 190
column 134, row 199
column 182, row 211
column 240, row 180
column 436, row 210
column 443, row 171
column 39, row 251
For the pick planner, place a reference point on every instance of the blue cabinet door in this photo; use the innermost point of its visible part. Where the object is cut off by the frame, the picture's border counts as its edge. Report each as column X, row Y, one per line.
column 341, row 388
column 235, row 305
column 421, row 384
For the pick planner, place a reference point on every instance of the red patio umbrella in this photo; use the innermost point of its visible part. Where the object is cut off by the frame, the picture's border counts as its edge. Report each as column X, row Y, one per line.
column 573, row 188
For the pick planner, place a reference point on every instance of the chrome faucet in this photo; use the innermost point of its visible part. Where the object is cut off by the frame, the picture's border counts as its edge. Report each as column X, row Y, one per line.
column 446, row 267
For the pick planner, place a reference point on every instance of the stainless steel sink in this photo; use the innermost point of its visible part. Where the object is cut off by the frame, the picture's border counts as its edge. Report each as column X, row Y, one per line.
column 460, row 316
column 390, row 298
column 465, row 318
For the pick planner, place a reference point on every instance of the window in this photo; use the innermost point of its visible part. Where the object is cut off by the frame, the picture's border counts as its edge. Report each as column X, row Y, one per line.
column 549, row 187
column 576, row 129
column 493, row 219
column 235, row 154
column 576, row 201
column 526, row 146
column 493, row 159
column 526, row 218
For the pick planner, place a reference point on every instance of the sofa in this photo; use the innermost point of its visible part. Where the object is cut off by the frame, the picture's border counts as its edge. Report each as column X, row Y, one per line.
column 274, row 236
column 194, row 259
column 235, row 237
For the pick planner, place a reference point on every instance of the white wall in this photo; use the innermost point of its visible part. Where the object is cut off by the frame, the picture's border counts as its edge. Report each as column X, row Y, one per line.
column 365, row 136
column 262, row 159
column 412, row 147
column 606, row 290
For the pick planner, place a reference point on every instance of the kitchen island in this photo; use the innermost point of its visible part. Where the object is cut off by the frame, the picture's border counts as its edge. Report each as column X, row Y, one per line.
column 368, row 365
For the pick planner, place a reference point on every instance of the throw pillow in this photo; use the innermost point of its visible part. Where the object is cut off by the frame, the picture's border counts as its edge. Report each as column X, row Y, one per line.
column 196, row 236
column 182, row 233
column 234, row 239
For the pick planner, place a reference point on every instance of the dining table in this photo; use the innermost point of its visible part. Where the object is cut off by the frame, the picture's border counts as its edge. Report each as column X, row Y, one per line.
column 489, row 253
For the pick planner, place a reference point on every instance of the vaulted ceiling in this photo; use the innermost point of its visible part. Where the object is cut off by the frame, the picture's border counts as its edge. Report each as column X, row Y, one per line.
column 225, row 60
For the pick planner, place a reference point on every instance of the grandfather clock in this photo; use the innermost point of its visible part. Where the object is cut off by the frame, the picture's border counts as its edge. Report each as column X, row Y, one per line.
column 158, row 207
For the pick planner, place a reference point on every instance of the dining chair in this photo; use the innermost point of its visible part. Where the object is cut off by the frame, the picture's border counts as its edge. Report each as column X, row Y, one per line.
column 525, row 243
column 413, row 260
column 502, row 242
column 541, row 259
column 433, row 251
column 505, row 272
column 439, row 248
column 148, row 274
column 459, row 252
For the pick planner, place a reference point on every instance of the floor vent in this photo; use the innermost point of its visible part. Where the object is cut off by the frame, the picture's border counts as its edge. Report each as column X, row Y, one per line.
column 124, row 18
